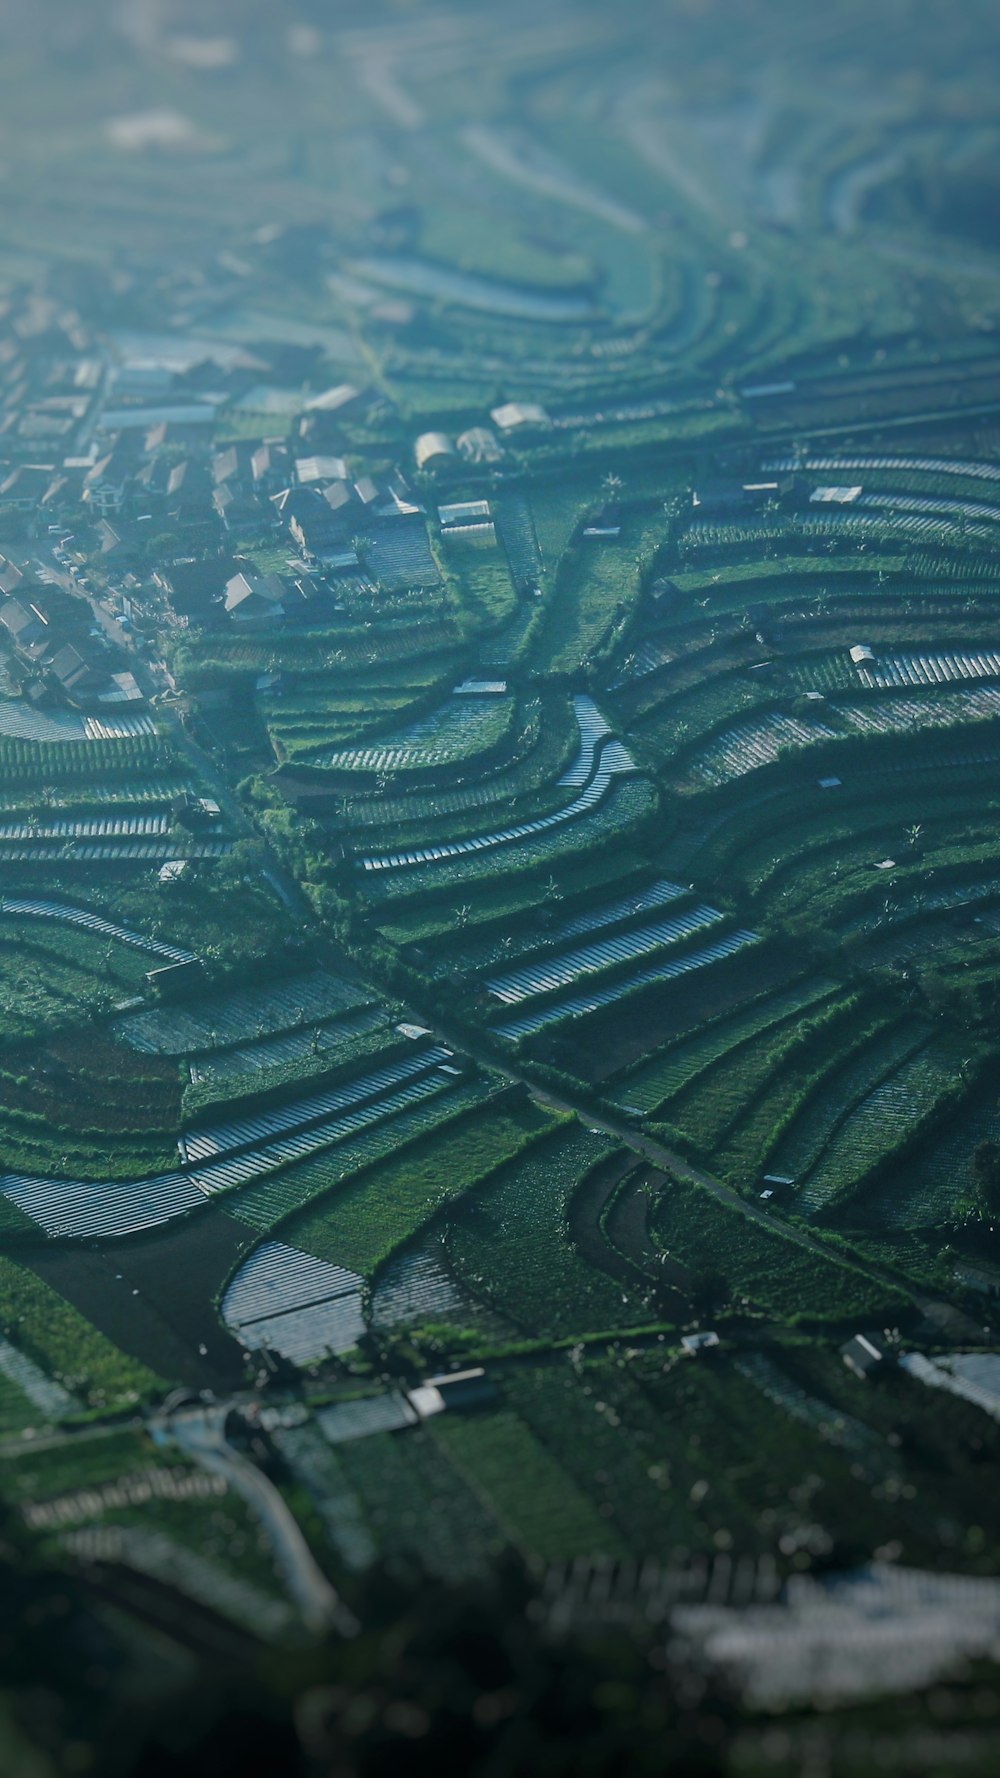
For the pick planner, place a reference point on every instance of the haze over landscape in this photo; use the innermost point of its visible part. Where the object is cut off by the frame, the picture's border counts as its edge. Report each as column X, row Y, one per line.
column 499, row 888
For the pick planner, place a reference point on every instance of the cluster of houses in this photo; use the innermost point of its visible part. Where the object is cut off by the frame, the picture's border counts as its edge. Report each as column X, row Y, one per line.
column 52, row 649
column 123, row 451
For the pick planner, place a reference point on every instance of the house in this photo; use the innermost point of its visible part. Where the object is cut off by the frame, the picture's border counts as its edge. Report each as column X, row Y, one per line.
column 270, row 466
column 478, row 445
column 520, row 416
column 253, row 598
column 105, row 485
column 466, row 515
column 454, row 1391
column 865, row 1354
column 196, row 589
column 24, row 627
column 335, row 400
column 696, row 1343
column 24, row 489
column 11, row 577
column 320, row 469
column 432, row 449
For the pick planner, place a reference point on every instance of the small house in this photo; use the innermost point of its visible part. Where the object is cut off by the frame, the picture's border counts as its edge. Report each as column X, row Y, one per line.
column 865, row 1354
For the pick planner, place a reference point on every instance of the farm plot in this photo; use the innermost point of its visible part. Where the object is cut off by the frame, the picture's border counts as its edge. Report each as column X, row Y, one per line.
column 416, row 1286
column 753, row 744
column 838, row 1093
column 82, row 1210
column 322, row 1040
column 879, row 1126
column 528, row 1023
column 507, row 1244
column 901, row 670
column 419, row 1504
column 605, row 916
column 290, row 1302
column 22, row 722
column 537, row 1505
column 368, row 1219
column 81, row 1365
column 615, row 761
column 456, row 730
column 945, row 466
column 272, row 1199
column 901, row 715
column 649, row 1087
column 756, row 1264
column 200, row 1145
column 561, row 969
column 14, row 907
column 225, row 1020
column 741, row 1099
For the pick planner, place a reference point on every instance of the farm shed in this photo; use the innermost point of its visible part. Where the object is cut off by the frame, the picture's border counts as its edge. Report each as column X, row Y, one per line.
column 456, row 1391
column 520, row 416
column 431, row 448
column 864, row 1354
column 465, row 515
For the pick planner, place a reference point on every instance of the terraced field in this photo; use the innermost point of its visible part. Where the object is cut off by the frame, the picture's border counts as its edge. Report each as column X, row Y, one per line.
column 581, row 922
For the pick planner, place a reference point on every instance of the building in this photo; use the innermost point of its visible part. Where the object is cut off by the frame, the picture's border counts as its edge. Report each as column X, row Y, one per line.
column 520, row 416
column 479, row 445
column 255, row 598
column 466, row 515
column 865, row 1354
column 432, row 449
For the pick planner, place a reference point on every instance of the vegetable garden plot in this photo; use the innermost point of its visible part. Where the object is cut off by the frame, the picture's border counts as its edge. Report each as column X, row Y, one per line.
column 493, row 951
column 507, row 1243
column 614, row 761
column 653, row 1083
column 227, row 1020
column 148, row 851
column 456, row 730
column 275, row 1198
column 559, row 971
column 137, row 792
column 301, row 1045
column 581, row 1004
column 929, row 669
column 79, row 1210
column 754, row 744
column 878, row 1126
column 24, row 722
column 219, row 1139
column 117, row 728
column 988, row 472
column 834, row 1097
column 416, row 1286
column 372, row 1216
column 898, row 715
column 104, row 827
column 292, row 1303
column 13, row 907
column 960, row 509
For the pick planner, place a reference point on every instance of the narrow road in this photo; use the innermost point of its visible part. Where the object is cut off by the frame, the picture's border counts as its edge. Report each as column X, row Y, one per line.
column 201, row 1433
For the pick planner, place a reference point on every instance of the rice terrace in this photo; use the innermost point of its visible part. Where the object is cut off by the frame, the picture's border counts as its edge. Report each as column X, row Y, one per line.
column 500, row 873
